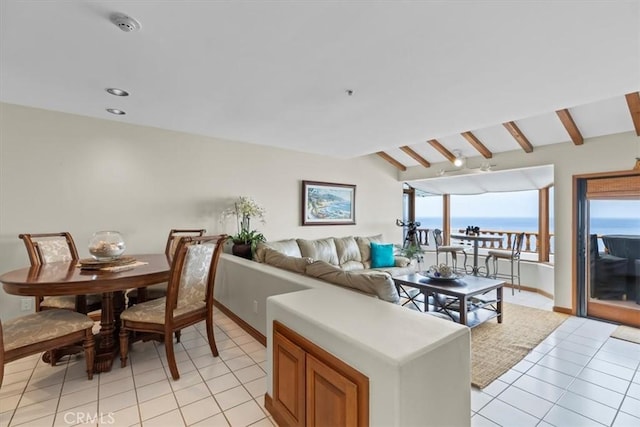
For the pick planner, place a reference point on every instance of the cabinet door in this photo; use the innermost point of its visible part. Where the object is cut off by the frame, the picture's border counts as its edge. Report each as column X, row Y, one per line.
column 288, row 380
column 332, row 399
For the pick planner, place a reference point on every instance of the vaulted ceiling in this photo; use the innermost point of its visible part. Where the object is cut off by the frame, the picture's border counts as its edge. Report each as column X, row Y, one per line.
column 413, row 81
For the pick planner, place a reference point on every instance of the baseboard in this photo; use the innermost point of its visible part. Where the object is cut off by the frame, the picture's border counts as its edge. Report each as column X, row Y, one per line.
column 244, row 325
column 530, row 289
column 563, row 310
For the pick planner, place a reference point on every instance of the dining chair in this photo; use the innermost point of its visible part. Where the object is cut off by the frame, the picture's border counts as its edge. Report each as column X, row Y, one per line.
column 44, row 248
column 159, row 290
column 44, row 331
column 189, row 299
column 512, row 256
column 454, row 250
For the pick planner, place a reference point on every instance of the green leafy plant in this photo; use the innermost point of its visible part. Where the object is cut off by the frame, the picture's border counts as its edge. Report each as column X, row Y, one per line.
column 412, row 252
column 246, row 237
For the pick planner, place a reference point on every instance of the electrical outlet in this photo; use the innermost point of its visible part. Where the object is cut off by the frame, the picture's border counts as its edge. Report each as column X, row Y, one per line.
column 255, row 306
column 26, row 304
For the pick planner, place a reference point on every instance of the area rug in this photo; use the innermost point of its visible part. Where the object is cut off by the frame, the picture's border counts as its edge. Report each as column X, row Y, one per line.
column 627, row 333
column 497, row 347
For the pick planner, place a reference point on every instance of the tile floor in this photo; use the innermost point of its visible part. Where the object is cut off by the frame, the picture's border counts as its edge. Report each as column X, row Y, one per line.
column 577, row 377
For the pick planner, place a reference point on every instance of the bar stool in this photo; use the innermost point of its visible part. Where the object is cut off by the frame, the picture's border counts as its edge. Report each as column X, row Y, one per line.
column 449, row 249
column 512, row 256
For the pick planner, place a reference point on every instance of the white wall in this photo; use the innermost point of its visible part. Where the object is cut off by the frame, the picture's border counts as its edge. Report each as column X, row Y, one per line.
column 62, row 172
column 601, row 154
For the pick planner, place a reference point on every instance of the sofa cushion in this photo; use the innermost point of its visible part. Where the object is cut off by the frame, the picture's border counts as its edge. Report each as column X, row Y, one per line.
column 348, row 253
column 280, row 260
column 371, row 282
column 382, row 255
column 288, row 247
column 364, row 243
column 319, row 250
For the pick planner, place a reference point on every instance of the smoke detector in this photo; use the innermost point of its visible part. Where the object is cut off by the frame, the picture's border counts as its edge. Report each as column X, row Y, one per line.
column 125, row 23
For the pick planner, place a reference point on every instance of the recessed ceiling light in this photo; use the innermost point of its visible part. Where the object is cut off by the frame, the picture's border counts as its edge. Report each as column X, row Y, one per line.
column 117, row 92
column 116, row 111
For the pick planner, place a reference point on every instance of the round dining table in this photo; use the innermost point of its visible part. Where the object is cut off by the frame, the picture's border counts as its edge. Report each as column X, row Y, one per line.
column 67, row 278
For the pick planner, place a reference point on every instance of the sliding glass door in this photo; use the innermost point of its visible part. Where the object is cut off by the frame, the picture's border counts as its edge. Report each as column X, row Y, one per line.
column 609, row 227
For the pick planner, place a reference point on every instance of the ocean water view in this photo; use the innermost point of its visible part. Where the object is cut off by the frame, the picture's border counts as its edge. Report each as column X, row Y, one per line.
column 598, row 225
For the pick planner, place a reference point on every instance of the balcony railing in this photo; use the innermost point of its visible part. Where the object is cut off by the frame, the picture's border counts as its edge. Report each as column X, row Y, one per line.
column 531, row 239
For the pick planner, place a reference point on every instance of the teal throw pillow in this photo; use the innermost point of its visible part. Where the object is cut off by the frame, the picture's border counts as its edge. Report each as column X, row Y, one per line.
column 382, row 255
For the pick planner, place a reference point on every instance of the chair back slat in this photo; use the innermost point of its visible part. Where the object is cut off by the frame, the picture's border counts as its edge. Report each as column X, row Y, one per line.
column 174, row 238
column 44, row 248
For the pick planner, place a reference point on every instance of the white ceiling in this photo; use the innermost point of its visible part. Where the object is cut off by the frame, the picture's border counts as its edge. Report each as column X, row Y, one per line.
column 276, row 72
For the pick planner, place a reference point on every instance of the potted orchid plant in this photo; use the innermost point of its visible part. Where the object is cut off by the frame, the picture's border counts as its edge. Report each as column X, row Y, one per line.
column 246, row 240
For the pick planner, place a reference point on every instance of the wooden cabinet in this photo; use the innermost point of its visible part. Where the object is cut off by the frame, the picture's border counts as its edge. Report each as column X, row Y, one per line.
column 311, row 387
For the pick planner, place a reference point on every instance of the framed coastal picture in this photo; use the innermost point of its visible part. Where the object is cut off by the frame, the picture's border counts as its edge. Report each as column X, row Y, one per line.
column 326, row 203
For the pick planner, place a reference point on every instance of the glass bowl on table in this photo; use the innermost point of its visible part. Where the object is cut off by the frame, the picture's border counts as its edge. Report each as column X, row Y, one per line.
column 106, row 245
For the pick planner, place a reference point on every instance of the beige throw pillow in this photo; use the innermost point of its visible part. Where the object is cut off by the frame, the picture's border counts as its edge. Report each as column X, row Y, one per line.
column 375, row 283
column 290, row 263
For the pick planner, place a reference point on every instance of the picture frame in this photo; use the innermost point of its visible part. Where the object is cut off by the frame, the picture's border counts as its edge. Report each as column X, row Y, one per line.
column 327, row 203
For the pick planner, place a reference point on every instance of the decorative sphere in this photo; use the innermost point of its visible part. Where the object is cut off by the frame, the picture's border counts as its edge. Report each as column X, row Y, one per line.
column 106, row 245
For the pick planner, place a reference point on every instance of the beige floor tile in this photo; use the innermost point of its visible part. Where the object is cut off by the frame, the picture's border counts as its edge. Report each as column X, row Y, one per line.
column 12, row 389
column 150, row 377
column 80, row 384
column 222, row 383
column 151, row 391
column 244, row 414
column 47, row 420
column 9, row 403
column 71, row 400
column 35, row 411
column 231, row 353
column 158, row 406
column 82, row 414
column 40, row 394
column 257, row 388
column 118, row 402
column 232, row 397
column 172, row 419
column 124, row 417
column 239, row 362
column 249, row 373
column 215, row 421
column 200, row 410
column 204, row 360
column 251, row 347
column 192, row 394
column 187, row 379
column 215, row 370
column 109, row 389
column 19, row 366
column 259, row 356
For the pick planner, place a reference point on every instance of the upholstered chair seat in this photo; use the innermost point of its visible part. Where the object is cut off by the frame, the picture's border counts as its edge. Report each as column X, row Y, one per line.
column 154, row 311
column 68, row 302
column 43, row 331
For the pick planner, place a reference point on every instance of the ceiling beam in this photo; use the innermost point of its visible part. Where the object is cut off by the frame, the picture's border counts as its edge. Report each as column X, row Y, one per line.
column 517, row 134
column 570, row 126
column 633, row 101
column 477, row 144
column 446, row 153
column 417, row 157
column 391, row 160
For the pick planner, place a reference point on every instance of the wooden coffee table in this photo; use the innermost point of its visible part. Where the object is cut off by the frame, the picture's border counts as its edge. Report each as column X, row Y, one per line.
column 464, row 300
